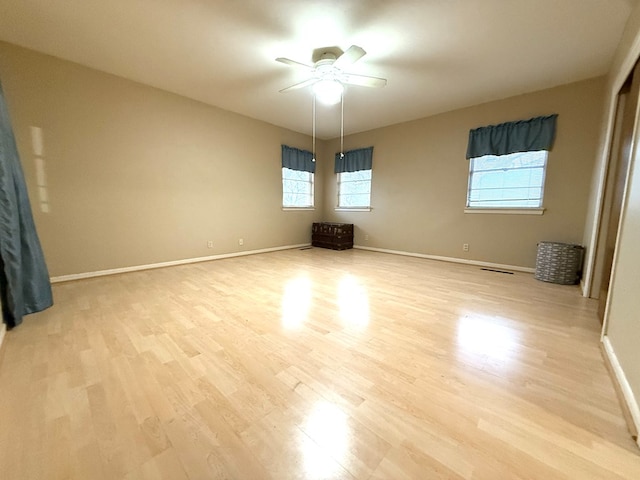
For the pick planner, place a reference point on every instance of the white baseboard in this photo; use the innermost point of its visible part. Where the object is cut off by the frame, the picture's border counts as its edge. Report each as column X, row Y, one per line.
column 3, row 330
column 497, row 266
column 585, row 288
column 627, row 393
column 136, row 268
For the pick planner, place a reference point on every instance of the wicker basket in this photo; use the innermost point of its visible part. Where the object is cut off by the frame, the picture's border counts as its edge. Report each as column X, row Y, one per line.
column 559, row 263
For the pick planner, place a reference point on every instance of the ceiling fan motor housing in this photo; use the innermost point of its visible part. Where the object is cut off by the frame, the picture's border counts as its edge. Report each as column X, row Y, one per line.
column 324, row 69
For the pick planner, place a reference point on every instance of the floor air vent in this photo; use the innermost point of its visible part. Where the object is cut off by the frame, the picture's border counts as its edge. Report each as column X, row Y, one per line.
column 497, row 271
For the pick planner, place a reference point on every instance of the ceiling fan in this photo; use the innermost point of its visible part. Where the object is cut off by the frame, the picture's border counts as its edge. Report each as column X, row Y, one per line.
column 327, row 73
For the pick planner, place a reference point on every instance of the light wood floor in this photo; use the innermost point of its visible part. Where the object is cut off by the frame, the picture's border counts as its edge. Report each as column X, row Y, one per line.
column 311, row 364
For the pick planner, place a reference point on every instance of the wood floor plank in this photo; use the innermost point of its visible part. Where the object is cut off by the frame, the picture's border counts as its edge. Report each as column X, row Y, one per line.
column 312, row 364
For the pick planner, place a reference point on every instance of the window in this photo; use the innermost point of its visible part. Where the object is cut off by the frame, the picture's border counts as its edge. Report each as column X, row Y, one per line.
column 354, row 178
column 507, row 165
column 354, row 189
column 507, row 181
column 297, row 188
column 298, row 167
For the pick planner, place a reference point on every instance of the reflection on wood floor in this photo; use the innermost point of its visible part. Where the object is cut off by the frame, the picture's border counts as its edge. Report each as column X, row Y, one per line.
column 311, row 364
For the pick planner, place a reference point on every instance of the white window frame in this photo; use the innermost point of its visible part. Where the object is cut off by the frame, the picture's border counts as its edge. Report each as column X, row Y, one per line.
column 311, row 186
column 492, row 205
column 352, row 208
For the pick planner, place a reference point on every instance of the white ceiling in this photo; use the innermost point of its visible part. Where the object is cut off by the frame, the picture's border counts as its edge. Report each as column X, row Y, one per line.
column 438, row 55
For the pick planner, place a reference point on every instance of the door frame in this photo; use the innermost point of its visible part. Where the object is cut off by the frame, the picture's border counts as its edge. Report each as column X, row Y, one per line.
column 611, row 112
column 602, row 220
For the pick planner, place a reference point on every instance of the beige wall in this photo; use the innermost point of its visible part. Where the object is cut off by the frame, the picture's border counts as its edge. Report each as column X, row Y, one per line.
column 137, row 176
column 622, row 328
column 420, row 180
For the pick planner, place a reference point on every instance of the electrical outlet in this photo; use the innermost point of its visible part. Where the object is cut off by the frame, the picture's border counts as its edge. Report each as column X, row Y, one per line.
column 366, row 237
column 241, row 241
column 210, row 244
column 465, row 247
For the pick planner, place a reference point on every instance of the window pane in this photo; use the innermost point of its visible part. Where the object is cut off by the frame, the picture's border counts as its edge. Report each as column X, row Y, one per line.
column 296, row 175
column 359, row 175
column 354, row 200
column 515, row 180
column 354, row 189
column 297, row 188
column 514, row 160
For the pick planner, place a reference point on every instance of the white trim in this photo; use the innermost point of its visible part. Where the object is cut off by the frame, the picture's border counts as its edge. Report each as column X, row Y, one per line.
column 293, row 209
column 586, row 292
column 599, row 201
column 607, row 304
column 627, row 393
column 450, row 259
column 506, row 211
column 633, row 155
column 136, row 268
column 354, row 209
column 3, row 330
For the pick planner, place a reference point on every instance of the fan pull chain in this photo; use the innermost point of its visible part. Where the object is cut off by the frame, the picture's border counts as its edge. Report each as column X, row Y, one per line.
column 342, row 124
column 313, row 128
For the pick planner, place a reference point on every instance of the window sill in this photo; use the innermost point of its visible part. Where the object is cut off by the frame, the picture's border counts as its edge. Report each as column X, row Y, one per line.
column 353, row 209
column 506, row 211
column 294, row 209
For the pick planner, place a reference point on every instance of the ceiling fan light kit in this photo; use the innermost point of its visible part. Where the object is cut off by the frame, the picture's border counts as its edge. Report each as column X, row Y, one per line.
column 328, row 92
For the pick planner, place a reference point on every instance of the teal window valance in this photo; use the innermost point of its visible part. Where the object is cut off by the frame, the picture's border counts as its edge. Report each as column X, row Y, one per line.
column 522, row 136
column 354, row 160
column 296, row 159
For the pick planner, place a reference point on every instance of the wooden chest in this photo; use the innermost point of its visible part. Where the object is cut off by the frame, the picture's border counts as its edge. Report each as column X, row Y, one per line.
column 337, row 236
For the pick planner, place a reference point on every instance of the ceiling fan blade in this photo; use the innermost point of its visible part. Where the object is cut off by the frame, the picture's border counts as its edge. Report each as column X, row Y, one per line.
column 288, row 61
column 363, row 80
column 352, row 55
column 308, row 81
